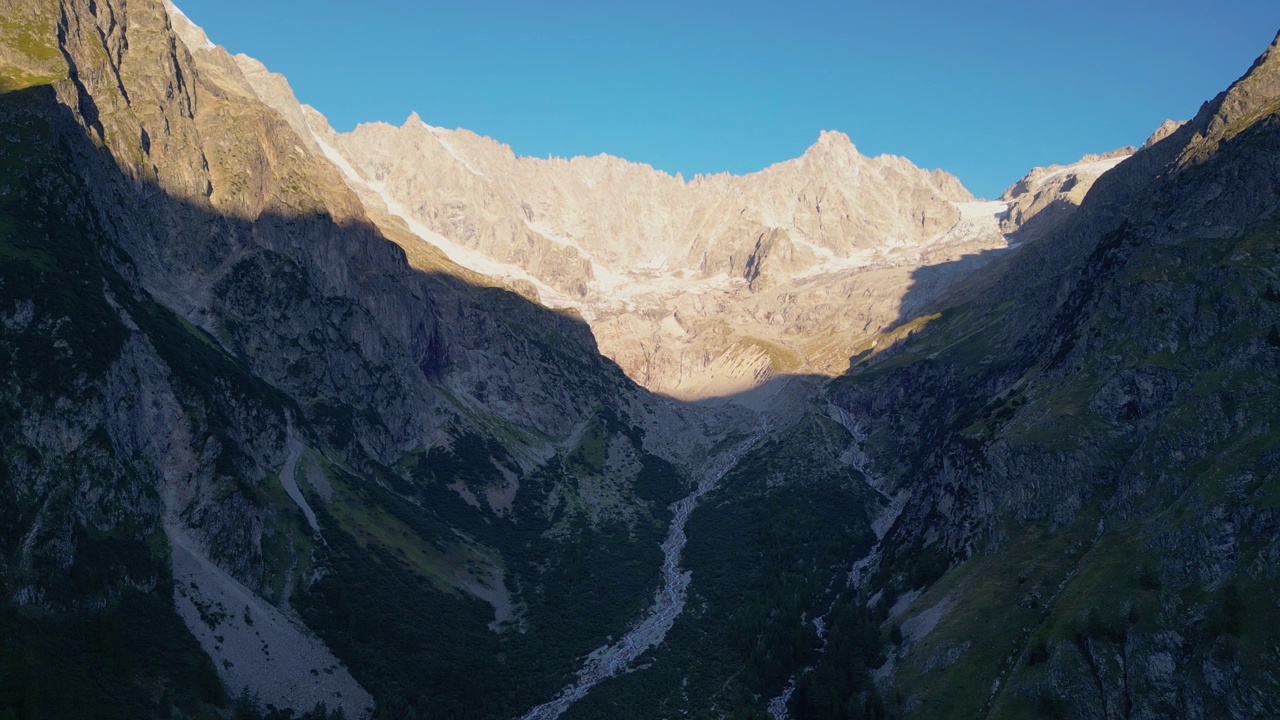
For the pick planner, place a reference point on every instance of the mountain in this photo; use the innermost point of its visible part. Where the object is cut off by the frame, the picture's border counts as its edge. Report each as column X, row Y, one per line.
column 396, row 424
column 659, row 265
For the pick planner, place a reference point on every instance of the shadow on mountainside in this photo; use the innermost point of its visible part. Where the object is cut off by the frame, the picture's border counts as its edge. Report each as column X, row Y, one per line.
column 273, row 324
column 131, row 317
column 321, row 327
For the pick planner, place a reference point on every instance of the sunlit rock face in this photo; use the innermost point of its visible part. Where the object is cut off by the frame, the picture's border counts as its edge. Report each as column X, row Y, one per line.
column 697, row 288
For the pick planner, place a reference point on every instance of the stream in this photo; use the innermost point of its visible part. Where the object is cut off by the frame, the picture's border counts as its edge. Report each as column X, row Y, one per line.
column 668, row 602
column 858, row 572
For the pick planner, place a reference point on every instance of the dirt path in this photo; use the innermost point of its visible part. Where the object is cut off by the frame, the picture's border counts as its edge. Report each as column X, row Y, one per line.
column 289, row 478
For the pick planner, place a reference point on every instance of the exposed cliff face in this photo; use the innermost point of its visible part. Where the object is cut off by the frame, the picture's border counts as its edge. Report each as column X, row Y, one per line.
column 1084, row 435
column 1167, row 128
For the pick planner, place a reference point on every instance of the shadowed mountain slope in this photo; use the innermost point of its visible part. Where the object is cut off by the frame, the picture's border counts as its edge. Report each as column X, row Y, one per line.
column 1087, row 435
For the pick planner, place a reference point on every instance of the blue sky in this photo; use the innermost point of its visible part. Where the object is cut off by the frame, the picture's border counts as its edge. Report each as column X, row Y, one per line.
column 985, row 90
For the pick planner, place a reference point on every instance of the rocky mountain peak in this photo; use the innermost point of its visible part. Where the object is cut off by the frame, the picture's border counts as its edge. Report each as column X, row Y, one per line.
column 1091, row 165
column 1167, row 128
column 832, row 145
column 1267, row 67
column 627, row 245
column 834, row 139
column 1046, row 196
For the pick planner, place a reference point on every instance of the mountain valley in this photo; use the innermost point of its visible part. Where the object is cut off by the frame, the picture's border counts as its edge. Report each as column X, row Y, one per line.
column 394, row 423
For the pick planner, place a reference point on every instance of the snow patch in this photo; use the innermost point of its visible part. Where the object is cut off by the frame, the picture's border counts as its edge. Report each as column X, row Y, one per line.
column 980, row 210
column 458, row 254
column 439, row 134
column 1090, row 169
